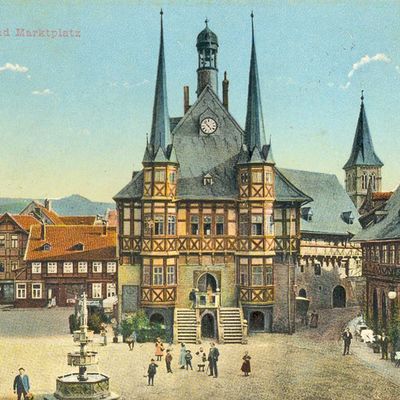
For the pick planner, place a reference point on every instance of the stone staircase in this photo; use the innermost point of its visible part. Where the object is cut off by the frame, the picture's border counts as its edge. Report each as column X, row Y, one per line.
column 231, row 325
column 185, row 325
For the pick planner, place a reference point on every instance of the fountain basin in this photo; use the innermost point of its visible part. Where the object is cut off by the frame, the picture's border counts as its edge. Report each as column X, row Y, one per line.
column 77, row 359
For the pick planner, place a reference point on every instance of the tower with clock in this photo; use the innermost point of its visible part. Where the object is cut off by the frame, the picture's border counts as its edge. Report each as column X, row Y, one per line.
column 196, row 223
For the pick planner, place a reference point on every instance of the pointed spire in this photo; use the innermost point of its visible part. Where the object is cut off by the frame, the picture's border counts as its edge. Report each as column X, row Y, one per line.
column 362, row 152
column 160, row 129
column 254, row 130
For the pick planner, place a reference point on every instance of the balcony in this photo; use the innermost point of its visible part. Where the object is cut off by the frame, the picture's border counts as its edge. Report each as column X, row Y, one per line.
column 208, row 299
column 158, row 295
column 256, row 294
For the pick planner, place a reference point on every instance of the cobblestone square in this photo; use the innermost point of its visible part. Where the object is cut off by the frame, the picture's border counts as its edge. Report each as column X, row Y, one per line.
column 306, row 365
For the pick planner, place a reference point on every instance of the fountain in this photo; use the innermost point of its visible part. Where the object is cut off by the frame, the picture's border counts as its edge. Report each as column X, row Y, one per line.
column 83, row 385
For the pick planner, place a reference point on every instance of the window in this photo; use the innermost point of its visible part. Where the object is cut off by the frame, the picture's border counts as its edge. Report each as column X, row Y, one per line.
column 36, row 290
column 244, row 178
column 2, row 240
column 1, row 266
column 171, row 225
column 373, row 181
column 127, row 212
column 158, row 276
column 111, row 290
column 268, row 276
column 377, row 255
column 159, row 175
column 36, row 268
column 270, row 224
column 148, row 224
column 14, row 265
column 146, row 274
column 384, row 254
column 244, row 274
column 51, row 267
column 172, row 177
column 47, row 247
column 97, row 267
column 147, row 175
column 21, row 290
column 207, row 180
column 14, row 241
column 159, row 225
column 194, row 224
column 111, row 267
column 364, row 181
column 317, row 269
column 256, row 225
column 170, row 275
column 257, row 176
column 268, row 177
column 302, row 268
column 243, row 224
column 82, row 267
column 126, row 228
column 68, row 268
column 257, row 276
column 207, row 225
column 392, row 254
column 219, row 224
column 96, row 291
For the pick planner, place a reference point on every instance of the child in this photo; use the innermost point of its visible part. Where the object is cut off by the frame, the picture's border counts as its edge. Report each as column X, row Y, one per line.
column 188, row 359
column 168, row 359
column 202, row 360
column 152, row 370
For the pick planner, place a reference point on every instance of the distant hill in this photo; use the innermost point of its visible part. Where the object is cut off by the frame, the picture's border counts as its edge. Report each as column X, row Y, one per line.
column 71, row 205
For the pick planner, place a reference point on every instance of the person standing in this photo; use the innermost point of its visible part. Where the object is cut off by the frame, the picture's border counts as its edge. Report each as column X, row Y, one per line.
column 182, row 355
column 103, row 334
column 192, row 298
column 347, row 337
column 213, row 360
column 188, row 359
column 131, row 340
column 314, row 320
column 246, row 368
column 159, row 349
column 202, row 360
column 384, row 346
column 168, row 359
column 151, row 371
column 21, row 384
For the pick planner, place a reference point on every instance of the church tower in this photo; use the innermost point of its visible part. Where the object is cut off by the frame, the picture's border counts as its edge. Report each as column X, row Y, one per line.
column 363, row 167
column 207, row 71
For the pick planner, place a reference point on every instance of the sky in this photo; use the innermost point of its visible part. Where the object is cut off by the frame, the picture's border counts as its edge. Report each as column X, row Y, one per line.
column 74, row 111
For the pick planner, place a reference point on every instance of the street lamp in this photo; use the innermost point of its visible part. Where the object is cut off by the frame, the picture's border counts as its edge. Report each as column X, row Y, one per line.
column 392, row 295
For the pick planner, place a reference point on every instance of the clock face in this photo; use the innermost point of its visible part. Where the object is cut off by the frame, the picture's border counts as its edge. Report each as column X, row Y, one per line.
column 208, row 125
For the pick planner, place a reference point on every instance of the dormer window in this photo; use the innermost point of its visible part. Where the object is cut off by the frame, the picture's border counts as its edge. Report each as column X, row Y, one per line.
column 306, row 213
column 207, row 180
column 348, row 217
column 244, row 177
column 79, row 247
column 46, row 247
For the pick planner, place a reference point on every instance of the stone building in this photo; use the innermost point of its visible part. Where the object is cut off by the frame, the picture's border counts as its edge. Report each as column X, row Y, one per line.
column 380, row 243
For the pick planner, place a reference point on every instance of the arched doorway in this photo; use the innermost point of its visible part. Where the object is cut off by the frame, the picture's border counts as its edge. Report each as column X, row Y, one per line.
column 339, row 297
column 303, row 293
column 375, row 314
column 207, row 280
column 157, row 318
column 257, row 321
column 208, row 326
column 384, row 311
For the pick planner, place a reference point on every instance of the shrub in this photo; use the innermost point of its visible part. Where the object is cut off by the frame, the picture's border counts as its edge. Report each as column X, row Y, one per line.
column 95, row 322
column 73, row 323
column 145, row 330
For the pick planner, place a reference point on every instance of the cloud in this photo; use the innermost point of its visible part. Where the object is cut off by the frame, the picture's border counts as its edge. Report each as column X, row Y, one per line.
column 14, row 68
column 379, row 57
column 346, row 86
column 44, row 92
column 398, row 68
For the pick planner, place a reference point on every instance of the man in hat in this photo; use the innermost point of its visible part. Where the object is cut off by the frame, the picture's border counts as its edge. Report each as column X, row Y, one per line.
column 21, row 384
column 213, row 360
column 188, row 359
column 168, row 359
column 151, row 371
column 347, row 336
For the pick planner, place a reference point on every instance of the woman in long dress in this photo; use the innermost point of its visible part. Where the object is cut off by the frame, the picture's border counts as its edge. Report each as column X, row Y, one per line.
column 182, row 355
column 246, row 369
column 159, row 349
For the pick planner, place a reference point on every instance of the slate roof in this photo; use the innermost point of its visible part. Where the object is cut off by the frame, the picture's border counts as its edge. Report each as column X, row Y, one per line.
column 133, row 190
column 63, row 240
column 362, row 152
column 389, row 226
column 329, row 201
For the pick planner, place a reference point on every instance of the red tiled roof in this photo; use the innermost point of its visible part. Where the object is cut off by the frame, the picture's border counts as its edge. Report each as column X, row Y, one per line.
column 381, row 195
column 79, row 220
column 25, row 221
column 64, row 238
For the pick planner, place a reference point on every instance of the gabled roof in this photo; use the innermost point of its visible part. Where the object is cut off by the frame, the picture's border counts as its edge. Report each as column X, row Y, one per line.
column 63, row 240
column 329, row 202
column 23, row 221
column 79, row 220
column 286, row 191
column 389, row 226
column 362, row 152
column 50, row 214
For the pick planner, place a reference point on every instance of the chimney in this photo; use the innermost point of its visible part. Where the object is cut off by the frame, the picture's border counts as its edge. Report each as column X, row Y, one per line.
column 47, row 204
column 186, row 105
column 104, row 232
column 43, row 231
column 225, row 90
